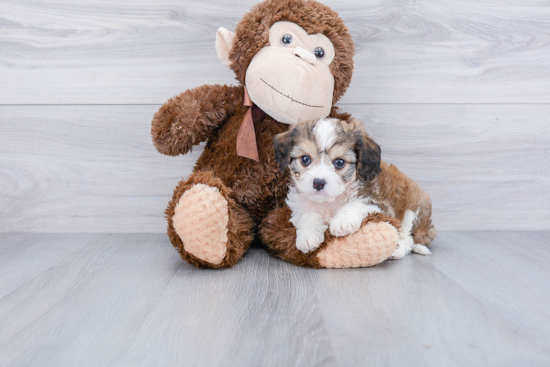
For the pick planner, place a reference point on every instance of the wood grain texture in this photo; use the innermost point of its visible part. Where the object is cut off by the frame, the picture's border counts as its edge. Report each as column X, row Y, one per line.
column 501, row 252
column 84, row 169
column 477, row 301
column 22, row 257
column 94, row 168
column 128, row 299
column 143, row 52
column 485, row 166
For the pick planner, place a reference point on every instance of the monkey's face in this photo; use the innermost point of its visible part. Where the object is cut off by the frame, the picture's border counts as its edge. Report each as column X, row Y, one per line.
column 290, row 78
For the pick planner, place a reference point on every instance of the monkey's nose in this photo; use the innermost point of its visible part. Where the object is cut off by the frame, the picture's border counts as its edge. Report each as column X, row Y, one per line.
column 305, row 55
column 319, row 184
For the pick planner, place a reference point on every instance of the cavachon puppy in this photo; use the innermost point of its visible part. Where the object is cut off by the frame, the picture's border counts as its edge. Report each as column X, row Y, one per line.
column 338, row 179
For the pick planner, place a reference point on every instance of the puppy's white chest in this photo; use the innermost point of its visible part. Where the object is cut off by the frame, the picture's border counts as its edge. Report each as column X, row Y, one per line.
column 327, row 210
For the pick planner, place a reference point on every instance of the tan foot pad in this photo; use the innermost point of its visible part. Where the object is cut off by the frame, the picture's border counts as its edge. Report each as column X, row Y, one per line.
column 372, row 244
column 201, row 219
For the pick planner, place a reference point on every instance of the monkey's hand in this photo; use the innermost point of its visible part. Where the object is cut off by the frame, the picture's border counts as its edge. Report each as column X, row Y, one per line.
column 189, row 118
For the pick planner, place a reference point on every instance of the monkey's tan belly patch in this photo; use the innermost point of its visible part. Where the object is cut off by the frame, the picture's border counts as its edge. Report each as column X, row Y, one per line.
column 201, row 220
column 372, row 244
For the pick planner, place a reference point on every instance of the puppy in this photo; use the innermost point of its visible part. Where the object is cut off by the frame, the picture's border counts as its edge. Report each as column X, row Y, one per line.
column 338, row 179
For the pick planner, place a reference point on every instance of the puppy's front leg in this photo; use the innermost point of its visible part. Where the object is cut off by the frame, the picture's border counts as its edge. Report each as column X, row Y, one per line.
column 349, row 218
column 310, row 231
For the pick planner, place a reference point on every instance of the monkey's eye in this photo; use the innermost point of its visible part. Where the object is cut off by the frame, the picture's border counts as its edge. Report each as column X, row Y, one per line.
column 339, row 163
column 306, row 160
column 287, row 39
column 319, row 53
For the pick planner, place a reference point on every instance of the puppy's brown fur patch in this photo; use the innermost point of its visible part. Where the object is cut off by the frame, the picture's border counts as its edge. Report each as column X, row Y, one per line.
column 396, row 193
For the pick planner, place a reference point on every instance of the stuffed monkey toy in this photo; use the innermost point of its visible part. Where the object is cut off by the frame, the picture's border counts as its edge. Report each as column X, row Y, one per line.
column 293, row 60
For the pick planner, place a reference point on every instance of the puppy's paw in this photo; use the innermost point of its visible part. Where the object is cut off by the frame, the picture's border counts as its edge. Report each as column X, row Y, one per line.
column 398, row 254
column 307, row 241
column 404, row 247
column 421, row 250
column 342, row 226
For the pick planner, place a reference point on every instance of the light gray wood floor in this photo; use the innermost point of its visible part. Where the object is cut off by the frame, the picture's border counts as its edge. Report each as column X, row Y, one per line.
column 481, row 299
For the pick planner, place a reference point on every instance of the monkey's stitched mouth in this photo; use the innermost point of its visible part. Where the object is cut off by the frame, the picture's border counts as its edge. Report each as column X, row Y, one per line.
column 289, row 97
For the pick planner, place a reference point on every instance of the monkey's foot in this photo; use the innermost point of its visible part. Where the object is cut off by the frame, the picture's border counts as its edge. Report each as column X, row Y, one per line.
column 201, row 219
column 205, row 224
column 371, row 245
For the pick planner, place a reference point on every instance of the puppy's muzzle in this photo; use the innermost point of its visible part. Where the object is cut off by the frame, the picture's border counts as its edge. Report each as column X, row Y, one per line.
column 319, row 184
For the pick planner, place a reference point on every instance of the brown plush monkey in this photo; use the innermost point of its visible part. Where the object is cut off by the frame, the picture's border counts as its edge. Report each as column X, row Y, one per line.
column 293, row 60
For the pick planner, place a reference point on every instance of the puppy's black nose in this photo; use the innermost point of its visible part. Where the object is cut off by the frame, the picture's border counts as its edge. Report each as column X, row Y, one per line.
column 319, row 183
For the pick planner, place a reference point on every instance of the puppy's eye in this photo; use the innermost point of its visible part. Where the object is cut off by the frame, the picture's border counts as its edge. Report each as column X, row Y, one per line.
column 339, row 163
column 319, row 53
column 306, row 160
column 286, row 40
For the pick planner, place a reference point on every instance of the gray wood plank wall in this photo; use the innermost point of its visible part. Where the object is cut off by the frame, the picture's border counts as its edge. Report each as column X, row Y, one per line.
column 457, row 94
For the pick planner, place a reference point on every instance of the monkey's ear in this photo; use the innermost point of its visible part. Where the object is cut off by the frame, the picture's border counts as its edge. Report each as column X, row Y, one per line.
column 368, row 157
column 282, row 143
column 224, row 43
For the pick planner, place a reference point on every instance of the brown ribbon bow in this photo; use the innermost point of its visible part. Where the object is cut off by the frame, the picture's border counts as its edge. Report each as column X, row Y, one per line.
column 246, row 137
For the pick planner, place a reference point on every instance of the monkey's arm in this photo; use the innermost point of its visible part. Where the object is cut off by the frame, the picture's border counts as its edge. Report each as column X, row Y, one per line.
column 189, row 118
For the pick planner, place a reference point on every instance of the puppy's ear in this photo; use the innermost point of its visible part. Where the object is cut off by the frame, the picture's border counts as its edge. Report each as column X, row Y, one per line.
column 368, row 157
column 283, row 143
